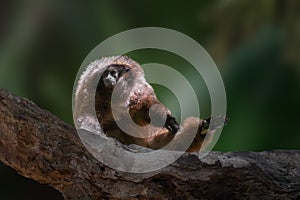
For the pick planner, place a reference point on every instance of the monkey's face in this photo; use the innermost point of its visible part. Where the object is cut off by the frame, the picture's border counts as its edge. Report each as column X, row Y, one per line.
column 125, row 74
column 113, row 74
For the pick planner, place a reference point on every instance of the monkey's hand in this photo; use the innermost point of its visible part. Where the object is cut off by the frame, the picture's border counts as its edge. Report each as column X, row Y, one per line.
column 160, row 113
column 171, row 124
column 145, row 108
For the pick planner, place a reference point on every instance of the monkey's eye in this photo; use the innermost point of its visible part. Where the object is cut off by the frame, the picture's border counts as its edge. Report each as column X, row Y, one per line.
column 113, row 73
column 127, row 70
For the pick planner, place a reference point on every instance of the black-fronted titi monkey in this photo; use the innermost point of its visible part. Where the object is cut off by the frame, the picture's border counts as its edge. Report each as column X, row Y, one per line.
column 124, row 78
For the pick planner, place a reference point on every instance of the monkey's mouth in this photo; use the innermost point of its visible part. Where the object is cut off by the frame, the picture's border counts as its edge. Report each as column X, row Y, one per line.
column 109, row 82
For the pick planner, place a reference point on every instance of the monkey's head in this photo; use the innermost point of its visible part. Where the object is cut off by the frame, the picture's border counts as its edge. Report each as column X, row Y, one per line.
column 123, row 70
column 113, row 74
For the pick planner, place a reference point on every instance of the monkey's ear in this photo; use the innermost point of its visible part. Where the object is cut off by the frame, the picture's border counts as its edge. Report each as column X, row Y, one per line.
column 125, row 70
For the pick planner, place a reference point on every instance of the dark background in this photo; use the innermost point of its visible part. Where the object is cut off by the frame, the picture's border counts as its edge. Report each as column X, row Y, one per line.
column 255, row 44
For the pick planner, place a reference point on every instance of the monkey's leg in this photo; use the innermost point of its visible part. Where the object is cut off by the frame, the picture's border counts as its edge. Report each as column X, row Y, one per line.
column 204, row 129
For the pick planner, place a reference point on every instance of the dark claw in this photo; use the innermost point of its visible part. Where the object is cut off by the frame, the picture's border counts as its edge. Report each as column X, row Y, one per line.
column 171, row 124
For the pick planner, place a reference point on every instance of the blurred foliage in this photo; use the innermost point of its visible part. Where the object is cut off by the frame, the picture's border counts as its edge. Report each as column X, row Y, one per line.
column 255, row 44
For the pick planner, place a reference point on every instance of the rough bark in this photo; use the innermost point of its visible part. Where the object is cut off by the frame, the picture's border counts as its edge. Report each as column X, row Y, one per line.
column 40, row 146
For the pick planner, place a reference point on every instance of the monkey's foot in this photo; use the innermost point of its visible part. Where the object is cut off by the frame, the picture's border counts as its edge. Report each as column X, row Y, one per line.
column 212, row 123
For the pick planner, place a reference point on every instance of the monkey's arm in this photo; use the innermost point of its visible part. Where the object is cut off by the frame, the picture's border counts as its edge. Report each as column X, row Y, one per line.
column 144, row 108
column 140, row 105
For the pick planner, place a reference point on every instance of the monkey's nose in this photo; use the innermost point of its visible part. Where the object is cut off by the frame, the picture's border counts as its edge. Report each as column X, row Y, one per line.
column 109, row 82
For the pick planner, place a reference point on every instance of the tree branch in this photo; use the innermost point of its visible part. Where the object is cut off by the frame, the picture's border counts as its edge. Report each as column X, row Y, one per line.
column 40, row 146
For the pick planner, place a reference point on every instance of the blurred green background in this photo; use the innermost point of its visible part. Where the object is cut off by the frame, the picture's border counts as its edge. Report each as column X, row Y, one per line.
column 255, row 44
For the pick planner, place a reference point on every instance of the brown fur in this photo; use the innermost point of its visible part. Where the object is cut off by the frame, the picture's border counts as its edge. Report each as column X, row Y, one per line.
column 137, row 96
